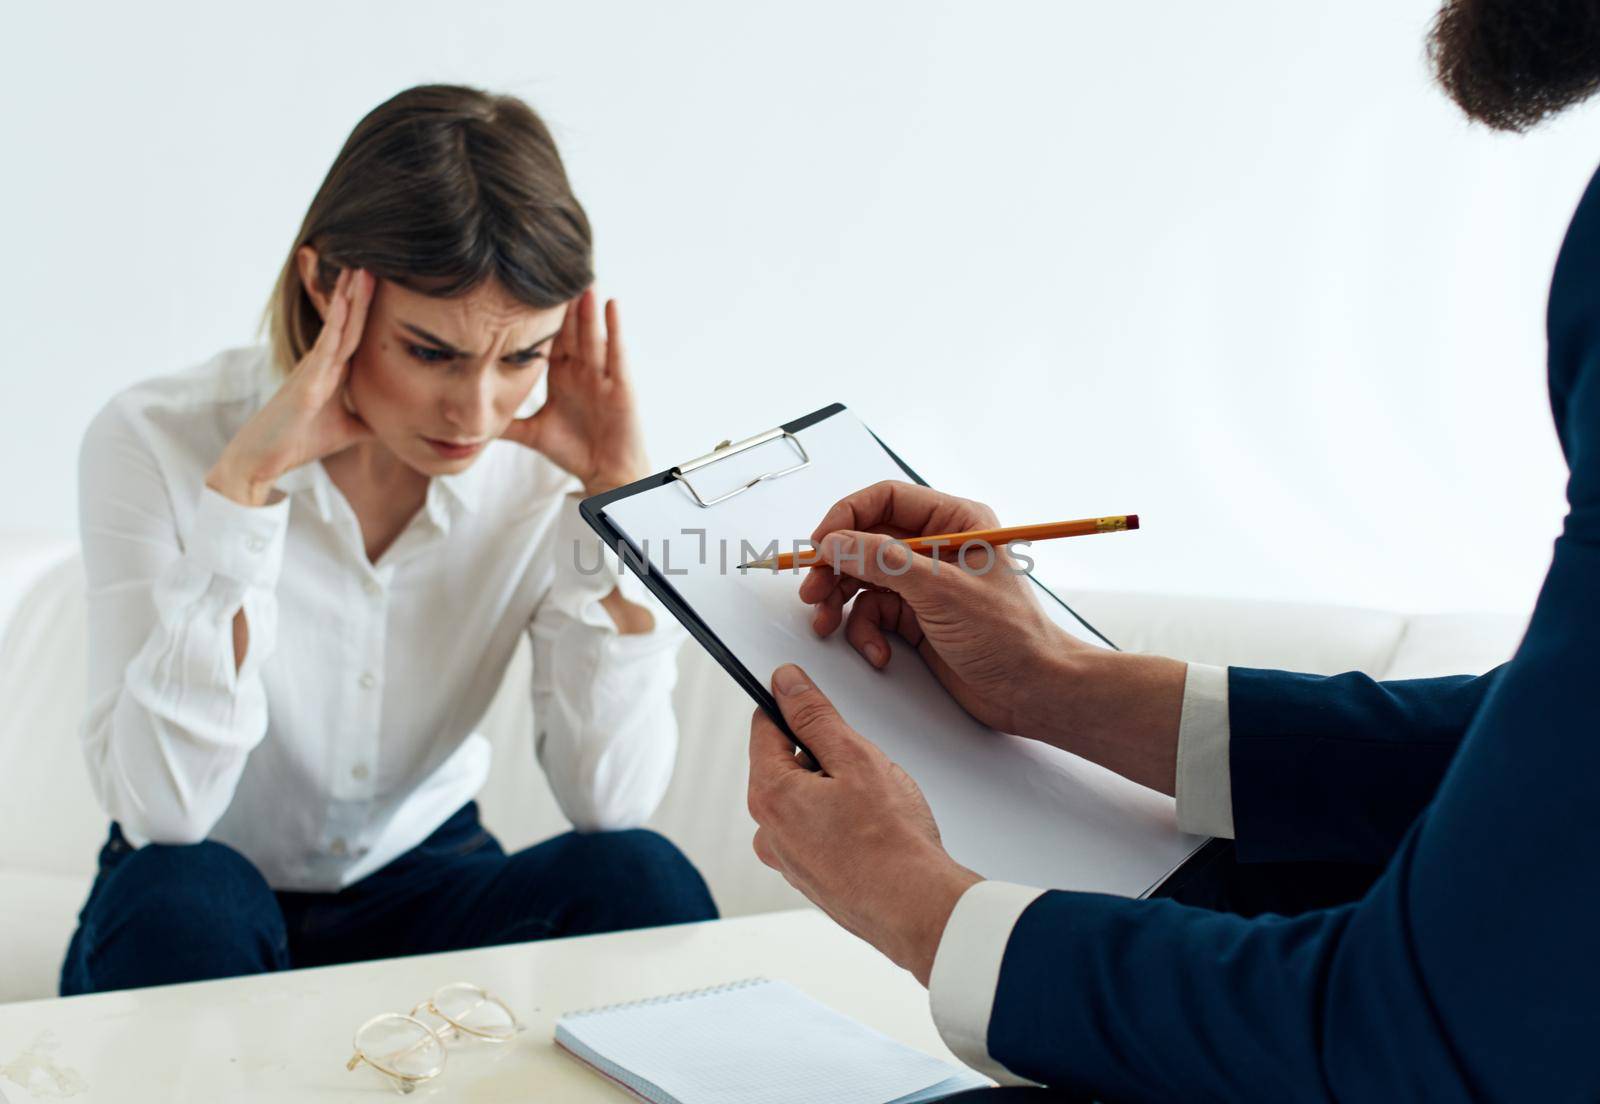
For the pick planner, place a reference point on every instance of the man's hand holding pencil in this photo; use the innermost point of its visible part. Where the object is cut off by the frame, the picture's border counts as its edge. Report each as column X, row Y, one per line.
column 844, row 834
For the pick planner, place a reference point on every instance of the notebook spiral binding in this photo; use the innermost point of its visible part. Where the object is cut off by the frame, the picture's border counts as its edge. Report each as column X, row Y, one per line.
column 669, row 998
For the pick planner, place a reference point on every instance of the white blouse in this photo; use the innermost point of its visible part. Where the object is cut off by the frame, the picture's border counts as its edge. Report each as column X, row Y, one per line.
column 346, row 736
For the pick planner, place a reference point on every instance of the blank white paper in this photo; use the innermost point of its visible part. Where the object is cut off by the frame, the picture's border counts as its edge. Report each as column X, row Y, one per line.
column 1009, row 808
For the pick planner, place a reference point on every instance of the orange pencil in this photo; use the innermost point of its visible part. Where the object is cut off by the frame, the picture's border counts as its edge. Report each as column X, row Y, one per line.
column 1049, row 530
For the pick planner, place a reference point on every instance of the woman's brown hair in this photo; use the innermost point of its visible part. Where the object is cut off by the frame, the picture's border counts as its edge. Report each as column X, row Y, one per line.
column 439, row 189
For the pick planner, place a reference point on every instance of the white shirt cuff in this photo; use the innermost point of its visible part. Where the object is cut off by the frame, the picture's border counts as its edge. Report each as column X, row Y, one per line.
column 966, row 971
column 239, row 542
column 1204, row 783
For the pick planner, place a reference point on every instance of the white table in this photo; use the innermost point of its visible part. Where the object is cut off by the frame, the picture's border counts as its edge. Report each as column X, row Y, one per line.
column 280, row 1037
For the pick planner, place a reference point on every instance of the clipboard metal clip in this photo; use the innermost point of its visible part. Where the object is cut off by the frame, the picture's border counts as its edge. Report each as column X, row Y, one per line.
column 728, row 448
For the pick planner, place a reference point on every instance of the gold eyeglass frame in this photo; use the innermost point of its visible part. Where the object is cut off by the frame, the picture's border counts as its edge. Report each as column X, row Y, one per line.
column 408, row 1082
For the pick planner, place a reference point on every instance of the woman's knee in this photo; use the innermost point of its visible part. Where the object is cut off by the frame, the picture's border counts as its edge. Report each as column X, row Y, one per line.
column 191, row 881
column 169, row 913
column 642, row 876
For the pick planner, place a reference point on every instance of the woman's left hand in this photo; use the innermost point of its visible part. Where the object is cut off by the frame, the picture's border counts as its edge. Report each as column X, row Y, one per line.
column 589, row 424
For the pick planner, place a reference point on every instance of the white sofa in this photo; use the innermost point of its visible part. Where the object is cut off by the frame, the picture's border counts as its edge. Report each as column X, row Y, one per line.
column 51, row 828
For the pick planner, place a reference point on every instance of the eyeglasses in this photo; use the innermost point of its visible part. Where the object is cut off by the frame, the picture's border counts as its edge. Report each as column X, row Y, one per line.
column 408, row 1050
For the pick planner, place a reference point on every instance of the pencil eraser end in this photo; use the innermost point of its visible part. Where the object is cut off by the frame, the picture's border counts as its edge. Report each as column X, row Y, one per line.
column 1133, row 521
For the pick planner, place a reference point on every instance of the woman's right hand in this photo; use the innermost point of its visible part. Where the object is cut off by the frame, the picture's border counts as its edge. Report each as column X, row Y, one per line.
column 306, row 418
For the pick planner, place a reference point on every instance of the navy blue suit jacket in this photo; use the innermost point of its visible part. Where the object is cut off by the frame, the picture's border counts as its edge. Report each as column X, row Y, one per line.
column 1471, row 970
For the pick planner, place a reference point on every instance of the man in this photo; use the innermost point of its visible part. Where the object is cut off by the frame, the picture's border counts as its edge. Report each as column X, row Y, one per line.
column 1466, row 969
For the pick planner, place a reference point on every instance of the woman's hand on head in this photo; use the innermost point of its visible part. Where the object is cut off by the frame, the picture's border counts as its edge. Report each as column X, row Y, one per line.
column 589, row 423
column 306, row 418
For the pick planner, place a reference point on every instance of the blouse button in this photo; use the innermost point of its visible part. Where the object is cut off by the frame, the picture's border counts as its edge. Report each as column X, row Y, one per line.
column 368, row 680
column 255, row 544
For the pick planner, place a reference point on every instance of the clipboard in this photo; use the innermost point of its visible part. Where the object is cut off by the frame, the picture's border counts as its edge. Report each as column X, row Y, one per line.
column 794, row 472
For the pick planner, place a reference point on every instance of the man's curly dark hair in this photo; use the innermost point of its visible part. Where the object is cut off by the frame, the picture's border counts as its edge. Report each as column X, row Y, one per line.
column 1510, row 64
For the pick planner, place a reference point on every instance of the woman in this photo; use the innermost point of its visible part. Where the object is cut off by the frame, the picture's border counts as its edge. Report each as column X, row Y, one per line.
column 309, row 566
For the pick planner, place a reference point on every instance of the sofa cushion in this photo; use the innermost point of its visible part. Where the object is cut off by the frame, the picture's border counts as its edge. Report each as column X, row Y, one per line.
column 1286, row 636
column 50, row 821
column 41, row 912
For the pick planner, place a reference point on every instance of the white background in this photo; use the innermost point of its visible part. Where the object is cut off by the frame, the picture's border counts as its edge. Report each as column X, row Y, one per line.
column 1233, row 266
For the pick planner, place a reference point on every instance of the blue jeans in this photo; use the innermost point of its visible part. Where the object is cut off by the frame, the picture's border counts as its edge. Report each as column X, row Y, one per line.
column 163, row 914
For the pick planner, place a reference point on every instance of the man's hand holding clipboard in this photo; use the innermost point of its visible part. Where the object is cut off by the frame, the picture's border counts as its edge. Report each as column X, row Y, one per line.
column 860, row 840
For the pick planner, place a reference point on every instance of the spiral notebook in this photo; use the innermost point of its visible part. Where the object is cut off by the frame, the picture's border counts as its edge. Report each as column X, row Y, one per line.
column 752, row 1042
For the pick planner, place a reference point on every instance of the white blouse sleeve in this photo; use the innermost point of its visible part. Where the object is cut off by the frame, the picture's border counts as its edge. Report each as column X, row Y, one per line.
column 605, row 733
column 170, row 718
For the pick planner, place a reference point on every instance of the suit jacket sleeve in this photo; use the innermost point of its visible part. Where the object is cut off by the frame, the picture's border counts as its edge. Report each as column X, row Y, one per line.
column 1337, row 768
column 1467, row 972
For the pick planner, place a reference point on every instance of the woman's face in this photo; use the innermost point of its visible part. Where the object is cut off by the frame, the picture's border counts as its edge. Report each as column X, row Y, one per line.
column 438, row 379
